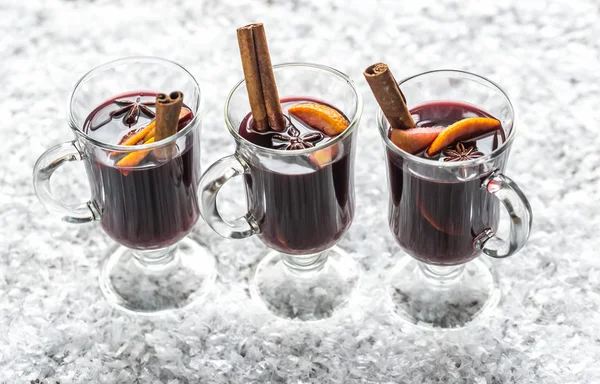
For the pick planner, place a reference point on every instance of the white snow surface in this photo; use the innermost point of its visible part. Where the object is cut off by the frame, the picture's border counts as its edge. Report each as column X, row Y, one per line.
column 55, row 325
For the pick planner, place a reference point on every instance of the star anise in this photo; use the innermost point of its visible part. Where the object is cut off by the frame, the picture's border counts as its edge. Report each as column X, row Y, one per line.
column 293, row 140
column 462, row 152
column 133, row 108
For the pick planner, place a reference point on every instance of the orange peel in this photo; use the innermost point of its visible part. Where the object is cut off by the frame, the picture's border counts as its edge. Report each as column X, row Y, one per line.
column 324, row 156
column 464, row 129
column 414, row 140
column 146, row 133
column 321, row 117
column 134, row 158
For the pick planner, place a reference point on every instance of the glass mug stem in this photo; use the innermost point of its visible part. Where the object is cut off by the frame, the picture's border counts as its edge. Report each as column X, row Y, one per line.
column 156, row 258
column 518, row 209
column 441, row 275
column 46, row 165
column 304, row 265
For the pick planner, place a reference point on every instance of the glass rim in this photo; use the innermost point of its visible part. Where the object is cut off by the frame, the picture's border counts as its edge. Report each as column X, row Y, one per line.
column 381, row 121
column 351, row 127
column 133, row 148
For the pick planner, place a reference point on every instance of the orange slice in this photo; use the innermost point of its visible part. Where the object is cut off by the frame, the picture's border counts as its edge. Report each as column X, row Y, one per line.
column 464, row 129
column 146, row 133
column 326, row 119
column 134, row 158
column 414, row 140
column 323, row 156
column 443, row 219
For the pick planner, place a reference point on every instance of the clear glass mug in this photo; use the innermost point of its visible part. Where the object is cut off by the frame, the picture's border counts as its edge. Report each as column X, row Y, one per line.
column 148, row 209
column 300, row 202
column 445, row 214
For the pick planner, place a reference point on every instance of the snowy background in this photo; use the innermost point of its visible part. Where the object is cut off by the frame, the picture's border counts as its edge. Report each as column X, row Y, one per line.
column 54, row 322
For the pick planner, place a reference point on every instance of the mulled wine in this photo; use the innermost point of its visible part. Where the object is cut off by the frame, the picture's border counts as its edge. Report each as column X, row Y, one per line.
column 144, row 203
column 309, row 211
column 296, row 157
column 436, row 222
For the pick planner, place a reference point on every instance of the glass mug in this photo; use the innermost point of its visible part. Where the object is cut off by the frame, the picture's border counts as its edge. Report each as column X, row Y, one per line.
column 148, row 209
column 300, row 202
column 445, row 214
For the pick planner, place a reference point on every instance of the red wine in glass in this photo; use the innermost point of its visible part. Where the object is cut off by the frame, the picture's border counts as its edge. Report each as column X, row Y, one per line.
column 154, row 204
column 301, row 213
column 436, row 222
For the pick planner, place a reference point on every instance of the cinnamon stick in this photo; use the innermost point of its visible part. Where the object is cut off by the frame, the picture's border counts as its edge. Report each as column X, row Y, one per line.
column 185, row 116
column 252, row 76
column 168, row 108
column 260, row 79
column 389, row 96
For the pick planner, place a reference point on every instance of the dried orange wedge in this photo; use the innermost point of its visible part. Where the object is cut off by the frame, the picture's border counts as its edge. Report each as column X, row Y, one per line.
column 414, row 140
column 464, row 129
column 319, row 116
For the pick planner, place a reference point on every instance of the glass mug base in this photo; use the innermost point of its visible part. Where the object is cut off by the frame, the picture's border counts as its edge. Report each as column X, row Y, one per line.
column 316, row 289
column 451, row 297
column 152, row 282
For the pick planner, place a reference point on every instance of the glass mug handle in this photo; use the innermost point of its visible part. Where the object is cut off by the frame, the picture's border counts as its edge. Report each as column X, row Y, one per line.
column 211, row 182
column 43, row 169
column 520, row 214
